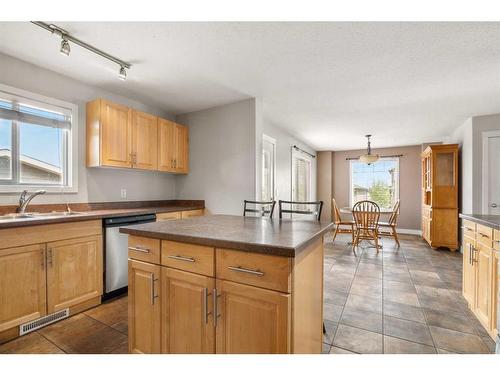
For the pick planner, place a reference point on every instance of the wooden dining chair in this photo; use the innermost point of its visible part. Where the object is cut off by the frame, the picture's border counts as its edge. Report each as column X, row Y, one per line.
column 301, row 208
column 388, row 229
column 366, row 215
column 341, row 225
column 259, row 208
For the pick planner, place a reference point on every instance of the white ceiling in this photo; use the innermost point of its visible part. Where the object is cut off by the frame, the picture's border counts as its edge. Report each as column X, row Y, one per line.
column 329, row 84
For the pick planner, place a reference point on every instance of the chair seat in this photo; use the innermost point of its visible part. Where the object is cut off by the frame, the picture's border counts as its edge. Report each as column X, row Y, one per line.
column 385, row 224
column 348, row 222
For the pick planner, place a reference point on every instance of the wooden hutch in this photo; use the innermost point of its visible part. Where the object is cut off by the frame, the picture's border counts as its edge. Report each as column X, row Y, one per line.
column 440, row 196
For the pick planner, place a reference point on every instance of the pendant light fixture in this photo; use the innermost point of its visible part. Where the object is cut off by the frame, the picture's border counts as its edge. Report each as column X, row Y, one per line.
column 369, row 158
column 65, row 48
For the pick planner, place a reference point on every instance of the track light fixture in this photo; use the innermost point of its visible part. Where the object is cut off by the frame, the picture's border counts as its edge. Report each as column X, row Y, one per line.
column 122, row 74
column 66, row 49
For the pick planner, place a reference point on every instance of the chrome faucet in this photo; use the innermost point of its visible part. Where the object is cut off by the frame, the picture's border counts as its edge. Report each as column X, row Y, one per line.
column 24, row 201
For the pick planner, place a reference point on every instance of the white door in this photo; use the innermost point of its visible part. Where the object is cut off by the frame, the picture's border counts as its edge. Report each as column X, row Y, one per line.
column 493, row 175
column 301, row 177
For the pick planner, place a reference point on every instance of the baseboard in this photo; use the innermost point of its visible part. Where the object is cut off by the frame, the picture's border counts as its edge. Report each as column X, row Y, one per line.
column 416, row 232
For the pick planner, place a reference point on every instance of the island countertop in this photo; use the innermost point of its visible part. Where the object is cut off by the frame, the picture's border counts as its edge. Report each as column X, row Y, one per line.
column 492, row 221
column 261, row 235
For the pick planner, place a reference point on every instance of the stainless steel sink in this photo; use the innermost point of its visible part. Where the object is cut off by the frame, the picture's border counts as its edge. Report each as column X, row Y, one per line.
column 38, row 215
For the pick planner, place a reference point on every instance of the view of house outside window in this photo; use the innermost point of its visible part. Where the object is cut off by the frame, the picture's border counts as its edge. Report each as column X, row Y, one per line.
column 378, row 182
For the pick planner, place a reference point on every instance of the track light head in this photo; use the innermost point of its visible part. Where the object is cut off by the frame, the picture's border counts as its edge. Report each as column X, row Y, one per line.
column 122, row 73
column 65, row 48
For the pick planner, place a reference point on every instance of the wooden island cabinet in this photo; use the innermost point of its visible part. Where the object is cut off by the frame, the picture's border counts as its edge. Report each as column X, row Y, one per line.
column 210, row 292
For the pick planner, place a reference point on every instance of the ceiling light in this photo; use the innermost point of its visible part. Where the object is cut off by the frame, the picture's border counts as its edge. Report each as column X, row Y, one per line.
column 369, row 158
column 122, row 74
column 65, row 48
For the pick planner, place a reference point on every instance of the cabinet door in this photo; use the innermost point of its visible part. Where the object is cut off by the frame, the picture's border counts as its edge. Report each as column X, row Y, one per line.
column 252, row 320
column 22, row 285
column 181, row 157
column 483, row 266
column 74, row 272
column 187, row 321
column 116, row 135
column 143, row 307
column 494, row 292
column 144, row 140
column 469, row 275
column 166, row 145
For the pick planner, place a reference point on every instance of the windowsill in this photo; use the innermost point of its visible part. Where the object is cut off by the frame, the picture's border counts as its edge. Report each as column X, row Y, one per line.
column 11, row 189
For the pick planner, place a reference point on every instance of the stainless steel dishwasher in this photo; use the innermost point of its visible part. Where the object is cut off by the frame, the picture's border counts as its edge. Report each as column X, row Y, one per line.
column 116, row 253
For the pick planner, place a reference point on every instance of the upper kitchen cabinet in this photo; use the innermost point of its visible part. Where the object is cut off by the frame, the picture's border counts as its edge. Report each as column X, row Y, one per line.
column 118, row 136
column 144, row 141
column 109, row 134
column 173, row 147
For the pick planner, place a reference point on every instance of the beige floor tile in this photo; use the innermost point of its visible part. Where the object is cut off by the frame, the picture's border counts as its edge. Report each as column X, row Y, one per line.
column 32, row 343
column 393, row 345
column 407, row 330
column 371, row 321
column 358, row 340
column 458, row 341
column 402, row 311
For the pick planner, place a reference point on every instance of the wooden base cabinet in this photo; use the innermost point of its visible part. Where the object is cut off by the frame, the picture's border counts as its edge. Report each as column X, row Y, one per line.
column 22, row 285
column 252, row 320
column 144, row 307
column 480, row 274
column 226, row 301
column 187, row 320
column 63, row 271
column 74, row 271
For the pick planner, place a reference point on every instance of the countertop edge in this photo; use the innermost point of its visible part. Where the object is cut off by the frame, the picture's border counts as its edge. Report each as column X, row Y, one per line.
column 285, row 251
column 98, row 215
column 481, row 220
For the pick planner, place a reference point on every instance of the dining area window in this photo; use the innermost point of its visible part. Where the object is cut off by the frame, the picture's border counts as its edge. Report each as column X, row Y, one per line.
column 377, row 182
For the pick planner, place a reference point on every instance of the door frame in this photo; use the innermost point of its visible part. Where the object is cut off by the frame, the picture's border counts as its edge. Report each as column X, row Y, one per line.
column 485, row 182
column 300, row 155
column 271, row 140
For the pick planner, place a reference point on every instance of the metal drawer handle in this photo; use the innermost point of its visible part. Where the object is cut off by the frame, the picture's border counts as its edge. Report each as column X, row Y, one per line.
column 153, row 295
column 466, row 228
column 245, row 270
column 215, row 308
column 140, row 249
column 184, row 259
column 483, row 235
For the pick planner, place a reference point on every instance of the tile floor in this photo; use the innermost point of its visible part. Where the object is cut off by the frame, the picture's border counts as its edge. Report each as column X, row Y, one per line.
column 100, row 330
column 402, row 300
column 405, row 300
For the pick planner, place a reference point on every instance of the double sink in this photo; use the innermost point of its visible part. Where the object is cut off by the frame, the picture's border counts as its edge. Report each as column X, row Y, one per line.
column 38, row 215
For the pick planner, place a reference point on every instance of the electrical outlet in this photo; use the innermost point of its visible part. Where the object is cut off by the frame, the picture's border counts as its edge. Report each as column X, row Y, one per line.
column 123, row 193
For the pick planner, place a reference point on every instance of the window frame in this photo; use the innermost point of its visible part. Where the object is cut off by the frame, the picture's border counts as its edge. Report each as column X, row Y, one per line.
column 352, row 162
column 266, row 138
column 69, row 145
column 300, row 155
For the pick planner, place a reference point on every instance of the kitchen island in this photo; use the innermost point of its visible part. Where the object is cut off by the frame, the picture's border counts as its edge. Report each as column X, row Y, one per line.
column 226, row 284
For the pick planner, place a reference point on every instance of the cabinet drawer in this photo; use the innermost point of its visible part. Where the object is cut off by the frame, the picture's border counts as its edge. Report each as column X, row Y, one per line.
column 469, row 228
column 484, row 235
column 265, row 271
column 188, row 257
column 145, row 249
column 192, row 213
column 496, row 239
column 164, row 216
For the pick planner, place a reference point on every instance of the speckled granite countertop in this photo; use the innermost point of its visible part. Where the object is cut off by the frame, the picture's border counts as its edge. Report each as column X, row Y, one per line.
column 261, row 235
column 492, row 221
column 102, row 213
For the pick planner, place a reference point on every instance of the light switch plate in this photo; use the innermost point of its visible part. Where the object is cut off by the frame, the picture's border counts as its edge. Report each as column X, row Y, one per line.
column 123, row 193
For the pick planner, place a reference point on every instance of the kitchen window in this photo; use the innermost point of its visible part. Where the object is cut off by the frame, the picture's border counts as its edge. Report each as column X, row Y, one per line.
column 36, row 142
column 378, row 182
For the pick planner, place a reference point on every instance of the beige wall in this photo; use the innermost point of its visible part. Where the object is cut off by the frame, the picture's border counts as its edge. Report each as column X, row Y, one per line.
column 409, row 181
